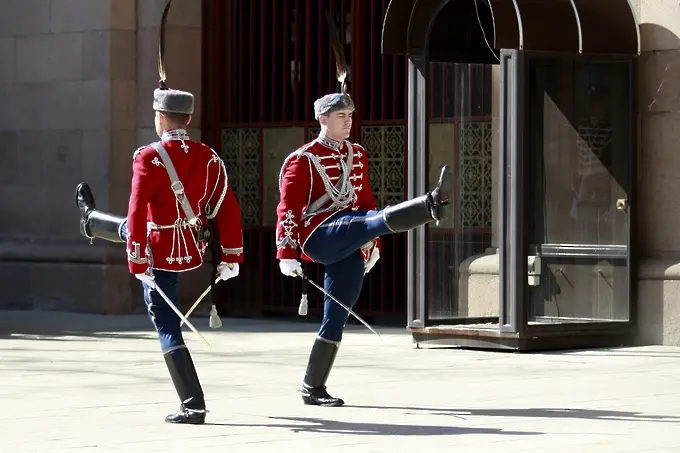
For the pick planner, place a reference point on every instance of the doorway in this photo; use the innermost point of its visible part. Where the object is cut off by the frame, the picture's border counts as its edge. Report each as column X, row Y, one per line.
column 579, row 153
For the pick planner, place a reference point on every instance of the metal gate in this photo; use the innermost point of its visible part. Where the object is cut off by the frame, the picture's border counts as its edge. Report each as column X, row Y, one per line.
column 265, row 62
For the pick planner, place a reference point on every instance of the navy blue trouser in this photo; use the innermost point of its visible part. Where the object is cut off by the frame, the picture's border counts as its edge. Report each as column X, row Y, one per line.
column 335, row 244
column 164, row 319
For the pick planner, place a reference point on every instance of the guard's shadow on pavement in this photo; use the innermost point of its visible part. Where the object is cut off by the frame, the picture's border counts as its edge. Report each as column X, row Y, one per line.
column 325, row 426
column 584, row 414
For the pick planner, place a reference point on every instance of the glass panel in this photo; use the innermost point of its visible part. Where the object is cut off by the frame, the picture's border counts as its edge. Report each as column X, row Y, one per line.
column 462, row 269
column 579, row 151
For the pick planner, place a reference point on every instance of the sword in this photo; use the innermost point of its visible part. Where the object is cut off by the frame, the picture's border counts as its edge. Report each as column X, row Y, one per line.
column 331, row 297
column 181, row 316
column 198, row 301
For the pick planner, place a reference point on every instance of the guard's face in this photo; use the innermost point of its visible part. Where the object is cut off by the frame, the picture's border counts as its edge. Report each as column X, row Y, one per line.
column 338, row 123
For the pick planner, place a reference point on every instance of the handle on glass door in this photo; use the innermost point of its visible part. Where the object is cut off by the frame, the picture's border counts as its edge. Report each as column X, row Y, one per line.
column 622, row 204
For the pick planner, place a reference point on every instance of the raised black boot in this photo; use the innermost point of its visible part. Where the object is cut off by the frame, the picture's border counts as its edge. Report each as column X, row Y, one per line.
column 413, row 213
column 318, row 368
column 96, row 224
column 183, row 373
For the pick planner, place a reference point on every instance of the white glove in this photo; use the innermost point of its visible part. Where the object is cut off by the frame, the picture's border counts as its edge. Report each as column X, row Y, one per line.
column 290, row 268
column 375, row 256
column 227, row 270
column 147, row 278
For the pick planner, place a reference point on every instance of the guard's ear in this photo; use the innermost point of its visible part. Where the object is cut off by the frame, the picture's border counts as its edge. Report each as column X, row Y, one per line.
column 190, row 118
column 323, row 119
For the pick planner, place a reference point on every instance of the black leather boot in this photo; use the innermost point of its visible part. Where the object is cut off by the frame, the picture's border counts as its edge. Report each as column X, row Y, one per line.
column 183, row 373
column 318, row 368
column 413, row 213
column 96, row 224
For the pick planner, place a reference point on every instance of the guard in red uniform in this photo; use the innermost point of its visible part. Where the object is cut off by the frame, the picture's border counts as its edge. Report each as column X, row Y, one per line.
column 177, row 186
column 328, row 212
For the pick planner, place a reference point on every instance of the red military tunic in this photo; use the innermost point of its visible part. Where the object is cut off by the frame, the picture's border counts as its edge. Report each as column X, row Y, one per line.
column 158, row 233
column 310, row 173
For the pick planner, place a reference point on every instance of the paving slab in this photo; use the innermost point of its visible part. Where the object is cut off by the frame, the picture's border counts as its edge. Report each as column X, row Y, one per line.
column 99, row 384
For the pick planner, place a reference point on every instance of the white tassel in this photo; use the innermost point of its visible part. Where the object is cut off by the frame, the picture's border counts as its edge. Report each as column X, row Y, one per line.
column 215, row 321
column 302, row 310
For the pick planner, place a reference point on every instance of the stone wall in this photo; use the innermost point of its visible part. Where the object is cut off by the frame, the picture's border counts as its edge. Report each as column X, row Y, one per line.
column 659, row 171
column 76, row 82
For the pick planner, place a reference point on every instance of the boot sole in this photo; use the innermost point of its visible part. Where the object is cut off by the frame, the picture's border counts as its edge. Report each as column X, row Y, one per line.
column 195, row 421
column 84, row 188
column 310, row 402
column 445, row 187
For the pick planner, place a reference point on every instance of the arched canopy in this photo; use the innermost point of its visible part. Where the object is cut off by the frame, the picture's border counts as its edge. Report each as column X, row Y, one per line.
column 465, row 30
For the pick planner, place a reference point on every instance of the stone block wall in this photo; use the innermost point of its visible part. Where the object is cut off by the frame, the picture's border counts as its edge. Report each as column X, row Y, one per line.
column 658, row 297
column 76, row 83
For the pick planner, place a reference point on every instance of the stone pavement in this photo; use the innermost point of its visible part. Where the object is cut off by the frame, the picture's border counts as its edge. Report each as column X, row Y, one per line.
column 99, row 384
